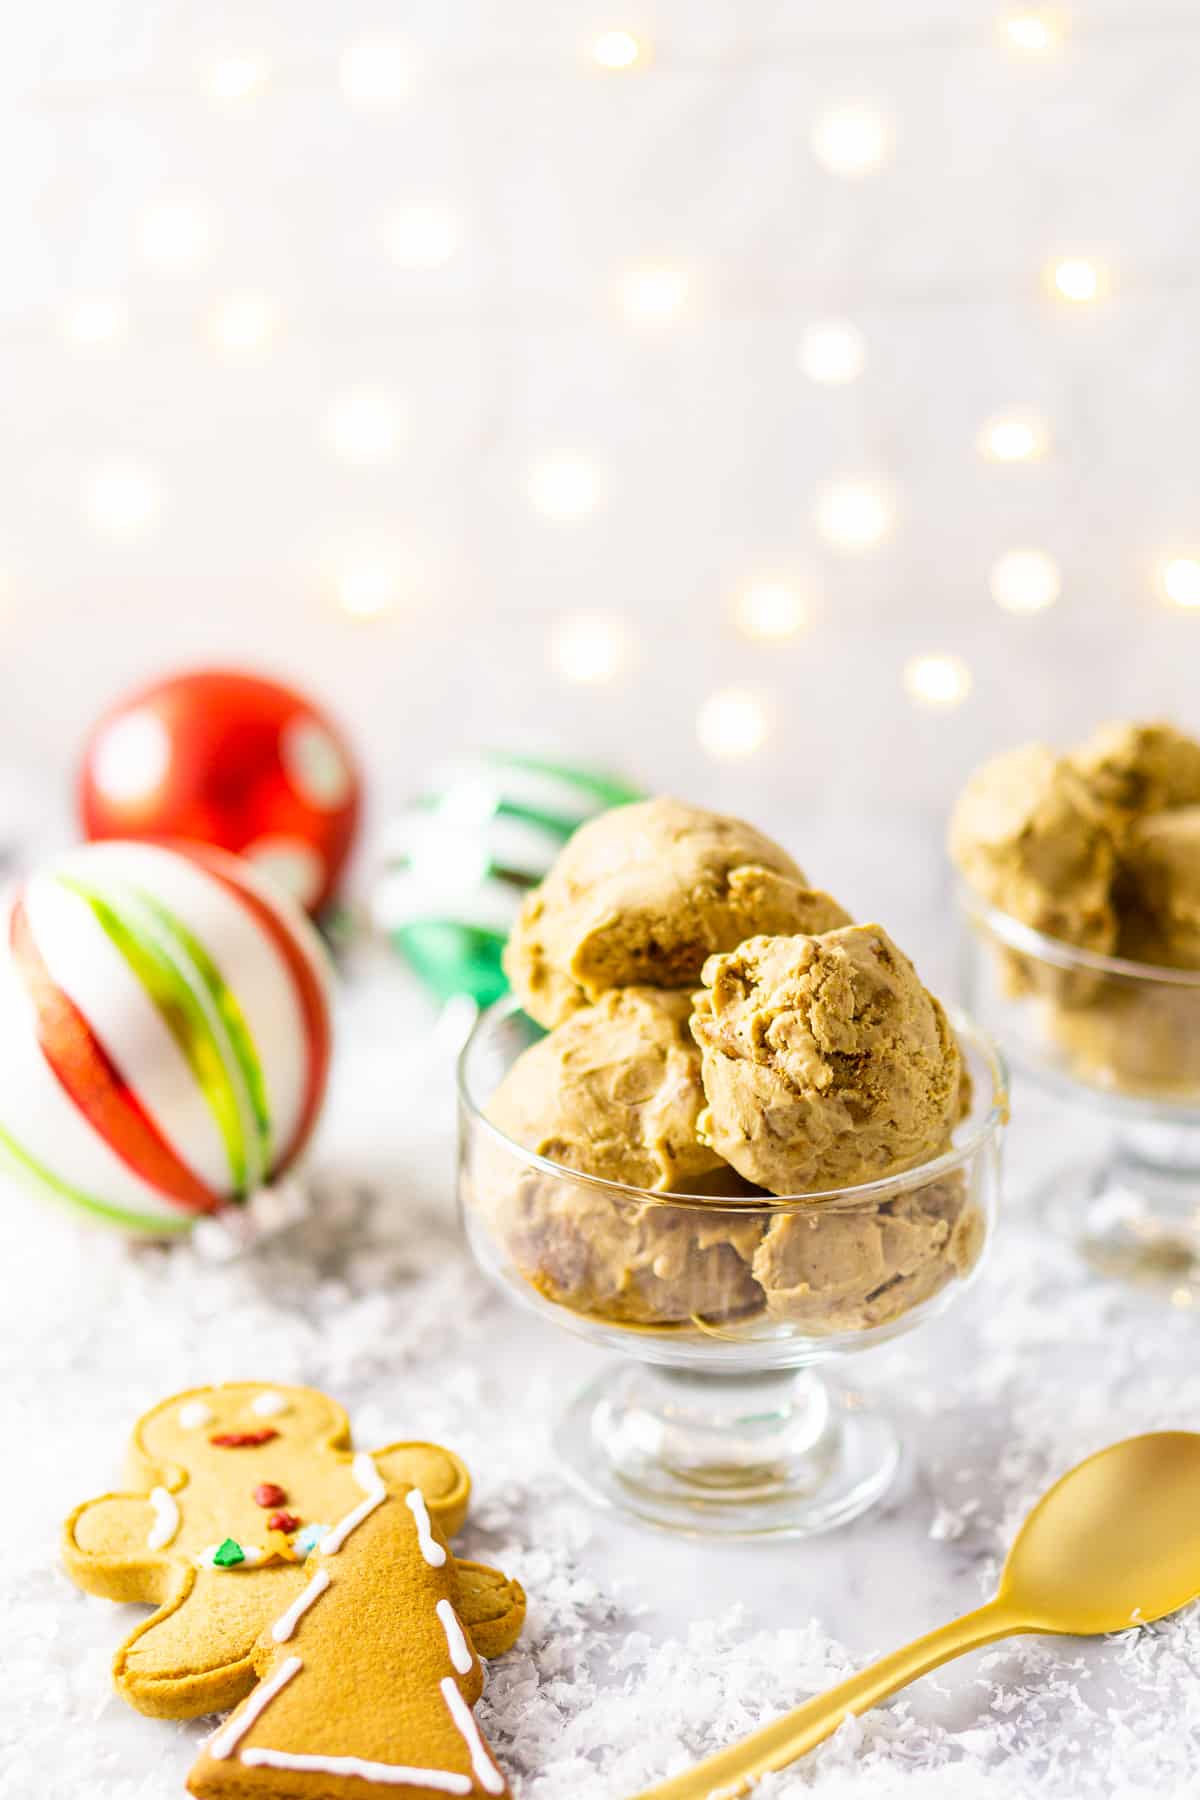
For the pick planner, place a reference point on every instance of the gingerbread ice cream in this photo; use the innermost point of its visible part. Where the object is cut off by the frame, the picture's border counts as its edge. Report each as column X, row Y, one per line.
column 642, row 895
column 825, row 1062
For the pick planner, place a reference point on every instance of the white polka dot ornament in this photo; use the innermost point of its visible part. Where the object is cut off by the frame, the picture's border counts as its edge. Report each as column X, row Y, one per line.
column 226, row 758
column 164, row 1033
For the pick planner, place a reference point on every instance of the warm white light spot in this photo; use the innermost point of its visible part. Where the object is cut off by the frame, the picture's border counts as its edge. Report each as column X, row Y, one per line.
column 618, row 50
column 238, row 76
column 122, row 499
column 176, row 236
column 1076, row 279
column 832, row 352
column 96, row 321
column 1025, row 581
column 291, row 864
column 850, row 141
column 937, row 680
column 1014, row 437
column 732, row 723
column 314, row 765
column 422, row 237
column 854, row 515
column 367, row 586
column 653, row 296
column 363, row 426
column 131, row 758
column 589, row 647
column 1033, row 31
column 771, row 610
column 244, row 324
column 1180, row 578
column 376, row 73
column 564, row 486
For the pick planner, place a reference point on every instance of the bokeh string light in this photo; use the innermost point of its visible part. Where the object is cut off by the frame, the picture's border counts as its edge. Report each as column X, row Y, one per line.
column 620, row 50
column 122, row 499
column 772, row 611
column 851, row 140
column 937, row 680
column 832, row 352
column 1033, row 31
column 564, row 486
column 1014, row 437
column 363, row 426
column 732, row 723
column 1179, row 580
column 653, row 295
column 854, row 514
column 94, row 322
column 238, row 76
column 1025, row 581
column 1077, row 280
column 421, row 237
column 243, row 325
column 590, row 647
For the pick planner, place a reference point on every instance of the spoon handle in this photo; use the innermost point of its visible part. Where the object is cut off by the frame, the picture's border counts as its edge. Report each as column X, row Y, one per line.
column 730, row 1772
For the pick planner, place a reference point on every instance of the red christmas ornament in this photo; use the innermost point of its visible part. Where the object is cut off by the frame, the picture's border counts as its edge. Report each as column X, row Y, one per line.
column 223, row 758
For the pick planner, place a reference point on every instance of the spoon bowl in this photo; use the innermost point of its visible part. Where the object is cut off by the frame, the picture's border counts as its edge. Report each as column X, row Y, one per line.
column 1115, row 1543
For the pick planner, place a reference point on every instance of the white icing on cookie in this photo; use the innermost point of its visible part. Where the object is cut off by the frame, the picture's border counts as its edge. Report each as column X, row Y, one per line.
column 230, row 1735
column 268, row 1405
column 456, row 1638
column 195, row 1414
column 388, row 1774
column 287, row 1622
column 166, row 1519
column 252, row 1554
column 431, row 1550
column 373, row 1485
column 486, row 1772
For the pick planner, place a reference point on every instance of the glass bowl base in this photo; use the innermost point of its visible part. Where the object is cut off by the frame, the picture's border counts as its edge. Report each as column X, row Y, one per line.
column 777, row 1454
column 1131, row 1220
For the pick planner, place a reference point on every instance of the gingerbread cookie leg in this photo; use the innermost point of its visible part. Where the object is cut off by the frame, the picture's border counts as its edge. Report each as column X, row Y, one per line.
column 368, row 1677
column 491, row 1606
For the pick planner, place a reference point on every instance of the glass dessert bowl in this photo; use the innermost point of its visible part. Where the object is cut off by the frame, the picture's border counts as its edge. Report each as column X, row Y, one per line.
column 1123, row 1039
column 723, row 1304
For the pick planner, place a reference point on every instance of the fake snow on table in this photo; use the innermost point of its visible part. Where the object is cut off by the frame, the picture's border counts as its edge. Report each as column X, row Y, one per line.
column 374, row 1300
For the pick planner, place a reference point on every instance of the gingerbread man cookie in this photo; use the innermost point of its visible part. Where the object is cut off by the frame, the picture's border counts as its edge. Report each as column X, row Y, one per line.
column 367, row 1677
column 232, row 1490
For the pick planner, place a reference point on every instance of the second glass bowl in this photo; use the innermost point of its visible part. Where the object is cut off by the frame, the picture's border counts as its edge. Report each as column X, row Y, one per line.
column 717, row 1422
column 1122, row 1039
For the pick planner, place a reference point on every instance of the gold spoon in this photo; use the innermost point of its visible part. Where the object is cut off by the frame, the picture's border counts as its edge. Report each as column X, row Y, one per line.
column 1115, row 1543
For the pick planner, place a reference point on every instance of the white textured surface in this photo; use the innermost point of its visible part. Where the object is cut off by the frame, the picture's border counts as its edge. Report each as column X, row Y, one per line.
column 641, row 1652
column 710, row 443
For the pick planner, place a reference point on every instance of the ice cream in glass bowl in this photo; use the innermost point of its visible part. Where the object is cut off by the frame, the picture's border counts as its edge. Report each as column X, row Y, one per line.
column 1081, row 894
column 725, row 1132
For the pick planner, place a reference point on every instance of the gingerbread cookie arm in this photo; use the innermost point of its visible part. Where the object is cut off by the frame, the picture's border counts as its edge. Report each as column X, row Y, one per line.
column 439, row 1474
column 491, row 1606
column 115, row 1546
column 188, row 1660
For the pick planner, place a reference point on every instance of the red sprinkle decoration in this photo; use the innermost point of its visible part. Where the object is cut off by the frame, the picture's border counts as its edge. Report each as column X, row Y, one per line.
column 267, row 1494
column 283, row 1521
column 243, row 1440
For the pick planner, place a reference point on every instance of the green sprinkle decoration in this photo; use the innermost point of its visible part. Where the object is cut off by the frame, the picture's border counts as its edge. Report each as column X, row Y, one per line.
column 229, row 1554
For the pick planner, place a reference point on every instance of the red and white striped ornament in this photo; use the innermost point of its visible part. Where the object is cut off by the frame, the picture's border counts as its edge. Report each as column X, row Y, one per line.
column 164, row 1032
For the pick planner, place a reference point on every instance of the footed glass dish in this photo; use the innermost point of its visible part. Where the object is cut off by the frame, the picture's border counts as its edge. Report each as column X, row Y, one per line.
column 1121, row 1039
column 721, row 1307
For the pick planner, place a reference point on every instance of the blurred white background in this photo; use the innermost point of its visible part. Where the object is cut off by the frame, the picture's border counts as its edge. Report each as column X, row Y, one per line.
column 480, row 386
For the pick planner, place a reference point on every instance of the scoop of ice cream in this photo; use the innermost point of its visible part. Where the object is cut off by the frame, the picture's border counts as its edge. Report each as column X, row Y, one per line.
column 831, row 1270
column 1029, row 837
column 1134, row 769
column 624, row 1261
column 614, row 1091
column 641, row 895
column 1159, row 889
column 824, row 1060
